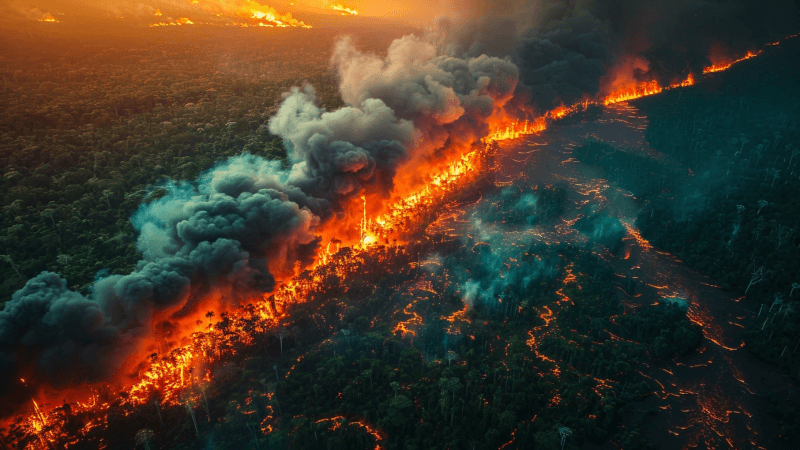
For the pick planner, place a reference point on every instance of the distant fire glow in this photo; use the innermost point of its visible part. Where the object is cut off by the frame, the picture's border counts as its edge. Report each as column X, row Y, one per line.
column 252, row 14
column 48, row 18
column 178, row 22
column 344, row 10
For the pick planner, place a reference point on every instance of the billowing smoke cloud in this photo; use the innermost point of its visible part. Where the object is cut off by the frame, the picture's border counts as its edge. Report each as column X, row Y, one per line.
column 448, row 98
column 248, row 219
column 600, row 227
column 229, row 228
column 339, row 153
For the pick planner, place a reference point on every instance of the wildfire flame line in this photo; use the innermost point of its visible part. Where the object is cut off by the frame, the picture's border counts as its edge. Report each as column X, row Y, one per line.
column 515, row 129
column 168, row 378
column 726, row 66
column 253, row 14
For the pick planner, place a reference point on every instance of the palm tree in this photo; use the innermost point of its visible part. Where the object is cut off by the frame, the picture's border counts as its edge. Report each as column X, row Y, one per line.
column 744, row 141
column 777, row 135
column 761, row 204
column 143, row 437
column 564, row 432
column 8, row 259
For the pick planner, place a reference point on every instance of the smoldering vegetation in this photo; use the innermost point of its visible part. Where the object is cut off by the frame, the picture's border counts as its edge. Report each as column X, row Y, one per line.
column 520, row 204
column 602, row 228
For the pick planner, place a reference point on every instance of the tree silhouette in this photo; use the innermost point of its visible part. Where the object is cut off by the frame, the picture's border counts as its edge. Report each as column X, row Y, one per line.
column 8, row 259
column 564, row 432
column 757, row 277
column 744, row 141
column 761, row 204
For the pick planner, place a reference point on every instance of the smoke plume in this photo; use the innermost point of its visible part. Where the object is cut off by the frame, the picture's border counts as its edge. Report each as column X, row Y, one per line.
column 248, row 219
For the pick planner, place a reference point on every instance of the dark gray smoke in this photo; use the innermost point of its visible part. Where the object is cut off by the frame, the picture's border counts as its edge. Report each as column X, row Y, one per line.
column 565, row 50
column 340, row 153
column 447, row 98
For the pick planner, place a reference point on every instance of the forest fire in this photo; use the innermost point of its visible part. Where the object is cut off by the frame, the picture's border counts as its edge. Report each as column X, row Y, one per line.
column 48, row 18
column 271, row 18
column 252, row 14
column 178, row 377
column 178, row 22
column 513, row 129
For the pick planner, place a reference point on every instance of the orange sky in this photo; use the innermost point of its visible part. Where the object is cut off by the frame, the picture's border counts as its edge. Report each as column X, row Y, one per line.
column 417, row 12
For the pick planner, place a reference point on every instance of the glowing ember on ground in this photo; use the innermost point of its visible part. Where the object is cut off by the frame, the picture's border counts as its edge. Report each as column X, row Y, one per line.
column 337, row 422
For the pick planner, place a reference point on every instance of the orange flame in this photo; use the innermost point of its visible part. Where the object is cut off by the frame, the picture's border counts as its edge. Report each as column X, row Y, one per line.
column 181, row 21
column 251, row 14
column 48, row 18
column 266, row 16
column 720, row 66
